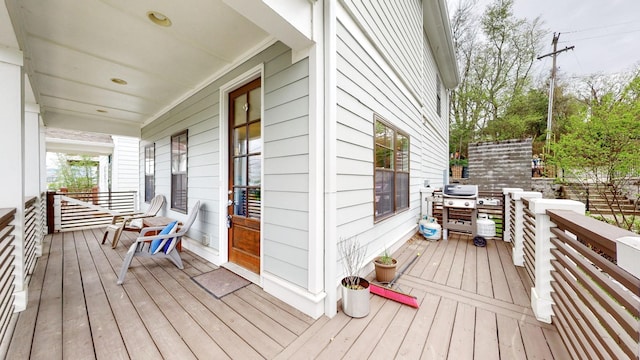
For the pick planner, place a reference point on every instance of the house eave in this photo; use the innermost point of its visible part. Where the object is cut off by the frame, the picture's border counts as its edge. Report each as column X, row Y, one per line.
column 438, row 30
column 78, row 147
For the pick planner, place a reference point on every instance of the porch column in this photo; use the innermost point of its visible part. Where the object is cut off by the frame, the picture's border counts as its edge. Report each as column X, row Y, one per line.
column 541, row 292
column 12, row 158
column 32, row 166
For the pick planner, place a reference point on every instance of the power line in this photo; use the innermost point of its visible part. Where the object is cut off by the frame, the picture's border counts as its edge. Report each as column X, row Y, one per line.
column 600, row 27
column 602, row 36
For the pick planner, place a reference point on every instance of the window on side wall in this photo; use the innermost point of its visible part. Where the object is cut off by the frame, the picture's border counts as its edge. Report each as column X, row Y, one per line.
column 149, row 172
column 179, row 171
column 438, row 98
column 391, row 176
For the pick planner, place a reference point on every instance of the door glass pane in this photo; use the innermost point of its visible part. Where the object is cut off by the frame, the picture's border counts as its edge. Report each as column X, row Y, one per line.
column 240, row 201
column 240, row 171
column 254, row 203
column 239, row 112
column 240, row 141
column 254, row 170
column 255, row 140
column 256, row 104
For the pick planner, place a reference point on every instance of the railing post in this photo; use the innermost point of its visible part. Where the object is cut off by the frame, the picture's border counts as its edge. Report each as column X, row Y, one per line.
column 57, row 213
column 518, row 227
column 39, row 225
column 628, row 254
column 506, row 218
column 541, row 292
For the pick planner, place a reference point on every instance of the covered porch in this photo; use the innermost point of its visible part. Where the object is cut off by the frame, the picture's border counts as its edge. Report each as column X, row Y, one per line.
column 474, row 304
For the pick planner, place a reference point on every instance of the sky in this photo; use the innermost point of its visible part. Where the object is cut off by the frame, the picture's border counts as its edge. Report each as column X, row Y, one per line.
column 605, row 33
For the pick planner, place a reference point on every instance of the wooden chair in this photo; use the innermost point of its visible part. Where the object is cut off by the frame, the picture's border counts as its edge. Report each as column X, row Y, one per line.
column 129, row 222
column 165, row 249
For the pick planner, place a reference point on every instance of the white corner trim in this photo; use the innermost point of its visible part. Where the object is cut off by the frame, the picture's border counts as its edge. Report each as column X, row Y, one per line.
column 308, row 303
column 11, row 56
column 32, row 108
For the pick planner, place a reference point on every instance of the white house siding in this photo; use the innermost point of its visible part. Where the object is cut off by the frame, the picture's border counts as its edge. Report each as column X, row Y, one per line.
column 285, row 160
column 436, row 147
column 286, row 169
column 125, row 171
column 380, row 73
column 395, row 28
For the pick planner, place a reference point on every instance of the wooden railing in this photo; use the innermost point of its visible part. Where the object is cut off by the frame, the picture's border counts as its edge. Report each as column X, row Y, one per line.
column 30, row 234
column 74, row 211
column 6, row 268
column 579, row 282
column 596, row 301
column 529, row 240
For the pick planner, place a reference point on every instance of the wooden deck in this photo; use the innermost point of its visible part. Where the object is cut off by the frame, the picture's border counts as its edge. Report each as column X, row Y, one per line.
column 473, row 306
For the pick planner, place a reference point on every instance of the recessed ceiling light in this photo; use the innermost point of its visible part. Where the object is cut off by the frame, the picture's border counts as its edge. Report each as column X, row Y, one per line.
column 158, row 18
column 101, row 111
column 119, row 81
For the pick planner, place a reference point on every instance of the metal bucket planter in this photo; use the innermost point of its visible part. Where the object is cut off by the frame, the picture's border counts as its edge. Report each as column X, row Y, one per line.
column 355, row 302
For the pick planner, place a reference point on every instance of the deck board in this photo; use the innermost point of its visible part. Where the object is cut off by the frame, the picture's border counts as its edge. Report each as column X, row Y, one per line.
column 76, row 337
column 47, row 337
column 473, row 305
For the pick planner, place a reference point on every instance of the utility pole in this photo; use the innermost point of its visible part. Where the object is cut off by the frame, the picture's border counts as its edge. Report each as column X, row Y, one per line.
column 552, row 82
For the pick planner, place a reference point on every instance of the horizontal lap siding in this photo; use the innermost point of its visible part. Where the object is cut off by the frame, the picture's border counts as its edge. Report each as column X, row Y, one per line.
column 286, row 169
column 396, row 28
column 200, row 114
column 366, row 87
column 435, row 149
column 125, row 164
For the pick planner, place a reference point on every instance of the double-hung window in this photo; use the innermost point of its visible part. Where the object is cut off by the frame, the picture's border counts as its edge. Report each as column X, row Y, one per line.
column 391, row 176
column 149, row 172
column 179, row 171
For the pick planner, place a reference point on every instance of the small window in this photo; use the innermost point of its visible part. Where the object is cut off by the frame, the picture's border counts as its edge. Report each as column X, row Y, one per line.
column 179, row 172
column 438, row 99
column 391, row 176
column 149, row 172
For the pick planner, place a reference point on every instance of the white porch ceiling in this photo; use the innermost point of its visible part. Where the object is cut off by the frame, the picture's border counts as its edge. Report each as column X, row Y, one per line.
column 74, row 48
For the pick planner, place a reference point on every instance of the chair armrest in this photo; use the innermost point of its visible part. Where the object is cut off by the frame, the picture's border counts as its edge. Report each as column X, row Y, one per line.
column 158, row 237
column 146, row 230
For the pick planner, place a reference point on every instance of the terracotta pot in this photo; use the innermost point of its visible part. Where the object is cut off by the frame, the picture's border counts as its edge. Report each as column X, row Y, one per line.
column 355, row 302
column 385, row 273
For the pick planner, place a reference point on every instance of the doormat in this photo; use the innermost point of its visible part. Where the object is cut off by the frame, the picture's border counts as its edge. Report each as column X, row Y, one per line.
column 220, row 282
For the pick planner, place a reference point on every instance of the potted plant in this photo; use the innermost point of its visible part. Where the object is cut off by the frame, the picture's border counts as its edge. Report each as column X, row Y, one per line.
column 355, row 289
column 456, row 166
column 385, row 267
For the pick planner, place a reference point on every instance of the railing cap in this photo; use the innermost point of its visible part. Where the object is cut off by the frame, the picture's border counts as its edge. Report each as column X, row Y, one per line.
column 526, row 195
column 627, row 253
column 505, row 191
column 540, row 206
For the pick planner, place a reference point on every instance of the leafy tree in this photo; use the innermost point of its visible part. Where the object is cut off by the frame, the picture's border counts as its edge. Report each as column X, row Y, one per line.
column 603, row 145
column 495, row 53
column 77, row 175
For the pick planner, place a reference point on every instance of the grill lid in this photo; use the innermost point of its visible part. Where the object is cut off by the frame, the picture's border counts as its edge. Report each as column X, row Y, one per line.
column 461, row 191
